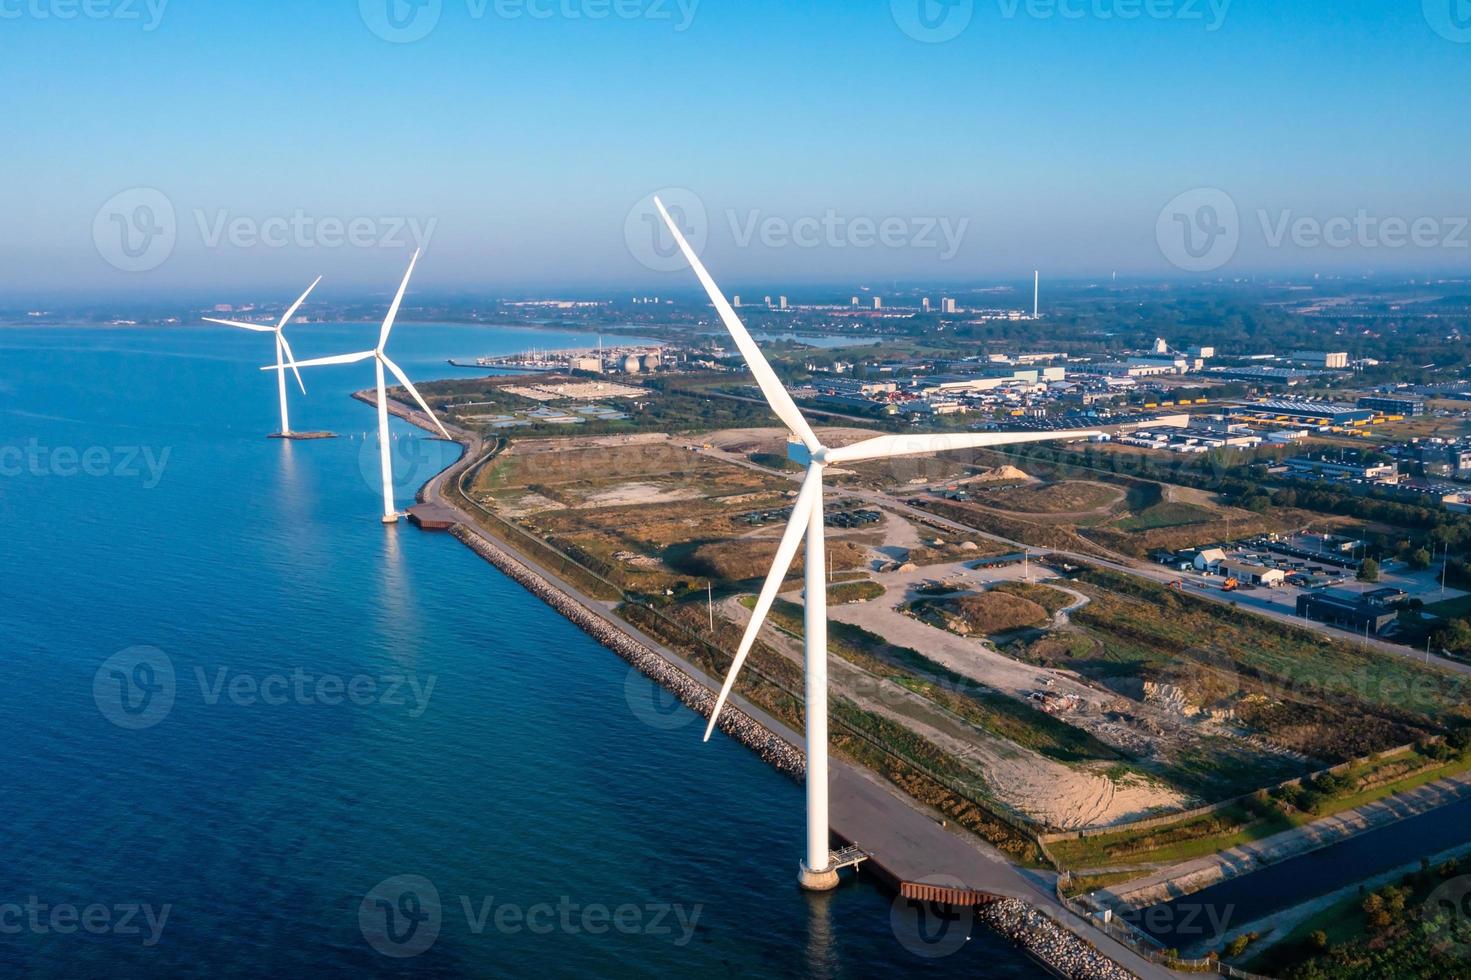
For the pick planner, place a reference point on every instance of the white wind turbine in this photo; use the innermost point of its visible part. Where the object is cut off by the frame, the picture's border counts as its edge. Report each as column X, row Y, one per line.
column 381, row 361
column 283, row 350
column 817, row 872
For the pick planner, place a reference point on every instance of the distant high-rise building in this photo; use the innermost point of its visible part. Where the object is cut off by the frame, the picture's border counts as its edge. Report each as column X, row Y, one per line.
column 768, row 301
column 947, row 305
column 878, row 303
column 855, row 300
column 736, row 301
column 783, row 301
column 925, row 304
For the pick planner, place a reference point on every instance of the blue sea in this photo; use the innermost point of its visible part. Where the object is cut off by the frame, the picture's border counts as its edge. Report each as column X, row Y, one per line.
column 250, row 731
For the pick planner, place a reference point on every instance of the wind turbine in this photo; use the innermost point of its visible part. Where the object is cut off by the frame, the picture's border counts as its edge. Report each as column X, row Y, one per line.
column 817, row 872
column 283, row 349
column 381, row 361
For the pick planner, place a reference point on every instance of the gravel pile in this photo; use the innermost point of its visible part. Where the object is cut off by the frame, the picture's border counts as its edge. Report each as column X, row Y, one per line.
column 1065, row 952
column 734, row 722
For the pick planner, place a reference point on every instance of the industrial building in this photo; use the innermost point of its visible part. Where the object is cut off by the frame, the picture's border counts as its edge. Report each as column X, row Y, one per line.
column 1308, row 413
column 1407, row 407
column 1312, row 468
column 1361, row 613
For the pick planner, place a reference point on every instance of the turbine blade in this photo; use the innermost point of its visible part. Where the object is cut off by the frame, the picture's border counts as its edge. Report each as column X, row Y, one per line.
column 885, row 447
column 766, row 379
column 786, row 552
column 257, row 327
column 319, row 361
column 403, row 379
column 397, row 302
column 291, row 360
column 297, row 305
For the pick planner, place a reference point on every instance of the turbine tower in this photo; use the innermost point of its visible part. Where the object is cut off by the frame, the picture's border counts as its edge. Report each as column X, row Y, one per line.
column 1037, row 294
column 282, row 349
column 382, row 361
column 817, row 872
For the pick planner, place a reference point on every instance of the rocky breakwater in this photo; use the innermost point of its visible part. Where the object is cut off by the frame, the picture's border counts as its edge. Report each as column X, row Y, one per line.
column 1064, row 951
column 737, row 724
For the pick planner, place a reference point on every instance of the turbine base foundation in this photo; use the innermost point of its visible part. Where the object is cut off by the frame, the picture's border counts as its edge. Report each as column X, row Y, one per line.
column 817, row 881
column 390, row 518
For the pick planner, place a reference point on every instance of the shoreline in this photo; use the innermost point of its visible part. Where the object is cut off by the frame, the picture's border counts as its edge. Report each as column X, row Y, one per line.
column 1064, row 950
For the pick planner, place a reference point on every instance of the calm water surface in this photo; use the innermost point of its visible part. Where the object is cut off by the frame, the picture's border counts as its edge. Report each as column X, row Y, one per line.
column 349, row 705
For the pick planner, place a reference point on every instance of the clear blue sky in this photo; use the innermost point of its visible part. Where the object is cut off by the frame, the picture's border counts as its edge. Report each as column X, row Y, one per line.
column 1057, row 139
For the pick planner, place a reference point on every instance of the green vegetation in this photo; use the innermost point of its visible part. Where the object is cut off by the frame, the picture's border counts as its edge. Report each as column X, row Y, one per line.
column 1414, row 929
column 859, row 591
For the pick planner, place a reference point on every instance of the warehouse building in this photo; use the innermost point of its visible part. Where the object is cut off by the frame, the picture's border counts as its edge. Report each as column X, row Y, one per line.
column 1351, row 611
column 1408, row 407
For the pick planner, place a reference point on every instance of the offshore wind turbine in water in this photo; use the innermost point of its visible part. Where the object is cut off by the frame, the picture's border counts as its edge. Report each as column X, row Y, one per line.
column 817, row 872
column 382, row 361
column 284, row 357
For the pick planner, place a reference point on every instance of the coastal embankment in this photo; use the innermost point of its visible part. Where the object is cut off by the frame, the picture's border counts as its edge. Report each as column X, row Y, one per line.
column 785, row 757
column 1071, row 949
